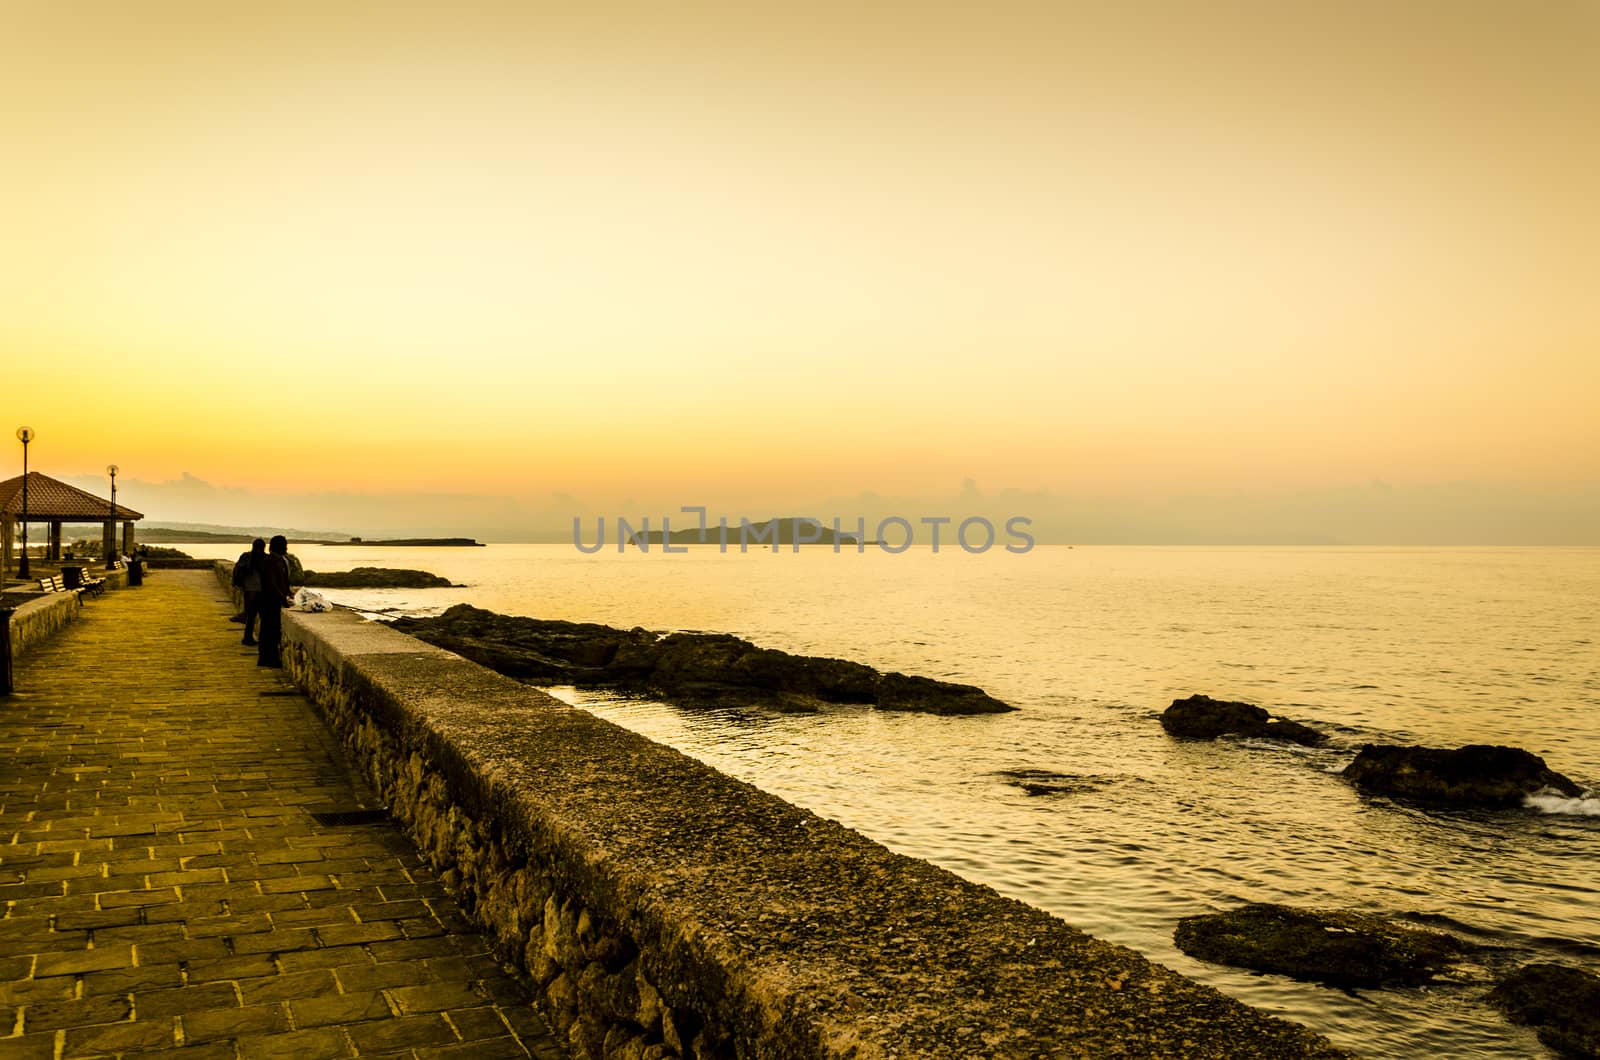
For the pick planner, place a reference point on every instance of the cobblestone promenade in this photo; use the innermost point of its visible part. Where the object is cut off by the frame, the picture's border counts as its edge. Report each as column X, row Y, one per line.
column 165, row 887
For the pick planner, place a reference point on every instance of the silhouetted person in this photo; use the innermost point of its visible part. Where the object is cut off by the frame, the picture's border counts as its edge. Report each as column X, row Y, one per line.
column 247, row 578
column 271, row 600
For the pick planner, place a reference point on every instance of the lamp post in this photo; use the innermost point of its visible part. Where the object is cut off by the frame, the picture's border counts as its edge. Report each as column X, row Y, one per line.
column 25, row 434
column 111, row 541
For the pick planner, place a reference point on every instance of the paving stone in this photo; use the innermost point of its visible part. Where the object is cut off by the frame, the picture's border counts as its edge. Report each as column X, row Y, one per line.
column 296, row 884
column 370, row 911
column 186, row 950
column 421, row 928
column 413, row 949
column 466, row 969
column 245, row 967
column 352, row 934
column 62, row 872
column 28, row 991
column 138, row 934
column 115, row 899
column 289, row 986
column 404, row 1032
column 314, row 916
column 192, row 997
column 331, row 957
column 319, row 1043
column 275, row 941
column 214, row 926
column 376, row 977
column 349, row 1008
column 128, row 980
column 475, row 1024
column 29, row 1047
column 78, row 1012
column 212, row 1024
column 435, row 997
column 269, row 903
column 118, row 1038
column 93, row 960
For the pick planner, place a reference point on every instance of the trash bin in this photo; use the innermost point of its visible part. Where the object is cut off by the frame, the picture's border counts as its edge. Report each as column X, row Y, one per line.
column 135, row 572
column 72, row 577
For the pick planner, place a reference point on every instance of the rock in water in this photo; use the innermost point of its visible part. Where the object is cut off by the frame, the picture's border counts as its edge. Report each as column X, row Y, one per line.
column 374, row 578
column 1476, row 775
column 1562, row 1003
column 1204, row 718
column 690, row 669
column 1324, row 946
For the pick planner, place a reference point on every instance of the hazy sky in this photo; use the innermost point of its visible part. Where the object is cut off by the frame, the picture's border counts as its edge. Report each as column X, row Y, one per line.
column 571, row 257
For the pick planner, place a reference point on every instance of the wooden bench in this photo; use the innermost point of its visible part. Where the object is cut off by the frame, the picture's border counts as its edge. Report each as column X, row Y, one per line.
column 90, row 586
column 56, row 585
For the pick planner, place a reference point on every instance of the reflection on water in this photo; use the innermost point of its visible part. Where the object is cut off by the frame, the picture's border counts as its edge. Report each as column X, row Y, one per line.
column 1444, row 647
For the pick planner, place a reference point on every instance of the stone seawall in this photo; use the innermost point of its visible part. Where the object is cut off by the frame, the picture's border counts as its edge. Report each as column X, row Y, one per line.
column 665, row 910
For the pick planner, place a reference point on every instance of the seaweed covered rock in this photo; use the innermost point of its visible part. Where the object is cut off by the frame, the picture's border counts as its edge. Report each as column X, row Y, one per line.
column 1562, row 1003
column 1325, row 946
column 374, row 578
column 689, row 669
column 1475, row 775
column 1204, row 718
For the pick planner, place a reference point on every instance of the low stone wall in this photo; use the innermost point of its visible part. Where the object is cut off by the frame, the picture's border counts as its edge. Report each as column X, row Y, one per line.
column 665, row 910
column 37, row 619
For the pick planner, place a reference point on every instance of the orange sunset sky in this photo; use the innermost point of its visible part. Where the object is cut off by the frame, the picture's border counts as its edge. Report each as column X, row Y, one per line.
column 1241, row 271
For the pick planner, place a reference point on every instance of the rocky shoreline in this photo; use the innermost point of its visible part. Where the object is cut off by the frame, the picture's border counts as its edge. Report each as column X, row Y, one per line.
column 685, row 669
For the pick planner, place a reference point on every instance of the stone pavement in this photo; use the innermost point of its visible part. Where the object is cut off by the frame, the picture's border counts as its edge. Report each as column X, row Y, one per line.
column 166, row 888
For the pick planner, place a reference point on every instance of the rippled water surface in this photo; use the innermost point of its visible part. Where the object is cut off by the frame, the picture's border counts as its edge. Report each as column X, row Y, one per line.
column 1436, row 646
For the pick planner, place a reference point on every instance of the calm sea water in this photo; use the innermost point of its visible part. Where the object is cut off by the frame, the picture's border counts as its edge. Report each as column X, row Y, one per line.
column 1435, row 646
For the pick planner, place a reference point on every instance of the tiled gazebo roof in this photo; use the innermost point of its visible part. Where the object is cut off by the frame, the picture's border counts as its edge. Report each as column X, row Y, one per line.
column 52, row 499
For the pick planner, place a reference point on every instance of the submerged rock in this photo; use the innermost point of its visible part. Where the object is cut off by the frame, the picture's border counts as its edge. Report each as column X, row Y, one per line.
column 1324, row 946
column 374, row 578
column 1204, row 718
column 1048, row 782
column 1562, row 1003
column 691, row 669
column 1476, row 775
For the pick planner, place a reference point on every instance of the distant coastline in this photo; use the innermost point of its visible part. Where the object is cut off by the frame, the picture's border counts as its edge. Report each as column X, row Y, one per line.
column 157, row 535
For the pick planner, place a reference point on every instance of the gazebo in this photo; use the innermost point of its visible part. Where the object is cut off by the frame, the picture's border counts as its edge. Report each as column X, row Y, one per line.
column 54, row 502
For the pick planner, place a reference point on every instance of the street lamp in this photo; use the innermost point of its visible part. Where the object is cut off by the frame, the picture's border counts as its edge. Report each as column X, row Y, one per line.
column 111, row 542
column 26, row 436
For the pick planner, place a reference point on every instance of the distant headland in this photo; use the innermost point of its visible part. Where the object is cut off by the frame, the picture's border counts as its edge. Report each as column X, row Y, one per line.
column 782, row 531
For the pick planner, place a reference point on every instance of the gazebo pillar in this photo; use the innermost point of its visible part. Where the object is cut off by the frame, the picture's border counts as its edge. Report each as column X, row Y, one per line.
column 127, row 537
column 55, row 540
column 8, row 528
column 108, row 540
